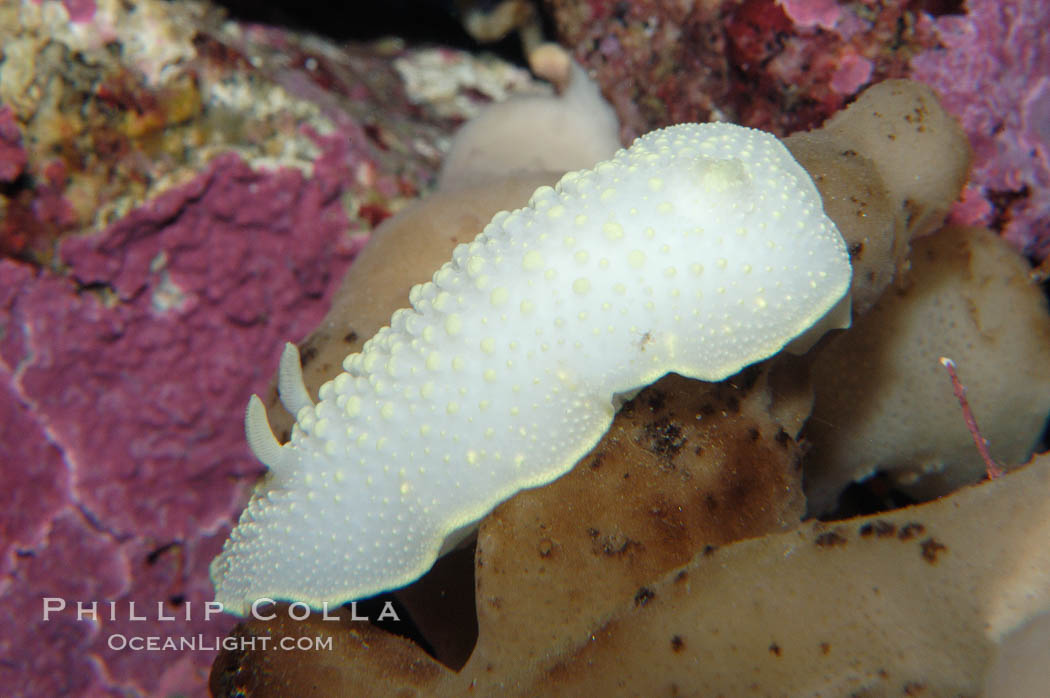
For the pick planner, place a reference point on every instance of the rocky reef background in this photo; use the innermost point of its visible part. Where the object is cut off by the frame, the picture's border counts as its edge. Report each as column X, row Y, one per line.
column 182, row 186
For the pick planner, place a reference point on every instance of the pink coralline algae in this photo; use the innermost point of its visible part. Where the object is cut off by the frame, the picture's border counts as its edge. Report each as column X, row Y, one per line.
column 79, row 10
column 993, row 72
column 38, row 487
column 802, row 60
column 852, row 73
column 123, row 390
column 779, row 65
column 812, row 13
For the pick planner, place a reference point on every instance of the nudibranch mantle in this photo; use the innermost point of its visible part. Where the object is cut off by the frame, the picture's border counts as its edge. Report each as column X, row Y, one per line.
column 700, row 249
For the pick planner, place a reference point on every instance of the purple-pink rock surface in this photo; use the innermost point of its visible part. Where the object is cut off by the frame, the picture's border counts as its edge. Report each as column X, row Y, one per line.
column 992, row 69
column 122, row 415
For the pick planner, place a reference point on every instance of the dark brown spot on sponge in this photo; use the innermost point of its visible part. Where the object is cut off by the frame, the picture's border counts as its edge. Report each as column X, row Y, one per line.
column 830, row 539
column 931, row 548
column 307, row 353
column 878, row 528
column 644, row 596
column 910, row 530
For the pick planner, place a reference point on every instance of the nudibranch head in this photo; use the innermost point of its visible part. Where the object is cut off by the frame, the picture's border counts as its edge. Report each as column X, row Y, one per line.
column 700, row 249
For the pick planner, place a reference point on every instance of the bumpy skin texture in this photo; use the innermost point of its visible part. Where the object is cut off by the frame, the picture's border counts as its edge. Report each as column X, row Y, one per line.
column 699, row 250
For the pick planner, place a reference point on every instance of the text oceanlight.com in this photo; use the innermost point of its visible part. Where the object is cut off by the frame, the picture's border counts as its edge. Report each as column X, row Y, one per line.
column 154, row 643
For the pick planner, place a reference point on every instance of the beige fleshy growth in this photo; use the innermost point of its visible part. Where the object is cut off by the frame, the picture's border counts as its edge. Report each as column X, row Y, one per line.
column 534, row 134
column 1022, row 661
column 856, row 199
column 552, row 63
column 907, row 600
column 686, row 466
column 884, row 402
column 491, row 21
column 888, row 168
column 917, row 147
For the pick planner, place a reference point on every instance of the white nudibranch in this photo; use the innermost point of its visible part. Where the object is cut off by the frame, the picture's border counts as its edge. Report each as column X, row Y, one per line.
column 700, row 249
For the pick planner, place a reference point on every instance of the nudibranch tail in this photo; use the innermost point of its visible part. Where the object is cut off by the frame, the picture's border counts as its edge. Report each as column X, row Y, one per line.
column 290, row 385
column 700, row 249
column 260, row 436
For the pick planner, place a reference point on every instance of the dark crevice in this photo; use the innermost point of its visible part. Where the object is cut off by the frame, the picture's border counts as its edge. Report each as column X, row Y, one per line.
column 939, row 8
column 415, row 21
column 874, row 495
column 437, row 612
